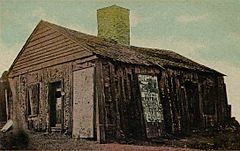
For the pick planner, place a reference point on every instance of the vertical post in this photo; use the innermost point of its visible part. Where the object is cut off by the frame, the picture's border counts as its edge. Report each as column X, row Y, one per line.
column 201, row 115
column 6, row 100
column 100, row 101
column 97, row 115
column 13, row 86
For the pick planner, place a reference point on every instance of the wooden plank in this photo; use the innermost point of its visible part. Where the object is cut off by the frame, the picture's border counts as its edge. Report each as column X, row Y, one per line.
column 127, row 96
column 44, row 39
column 169, row 103
column 114, row 99
column 101, row 101
column 50, row 63
column 46, row 42
column 7, row 126
column 97, row 111
column 128, row 87
column 40, row 28
column 122, row 101
column 83, row 65
column 86, row 59
column 6, row 101
column 70, row 86
column 49, row 46
column 43, row 50
column 49, row 56
column 43, row 34
column 83, row 103
column 137, row 97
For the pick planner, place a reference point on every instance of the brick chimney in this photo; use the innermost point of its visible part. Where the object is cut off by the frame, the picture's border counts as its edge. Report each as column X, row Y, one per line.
column 113, row 23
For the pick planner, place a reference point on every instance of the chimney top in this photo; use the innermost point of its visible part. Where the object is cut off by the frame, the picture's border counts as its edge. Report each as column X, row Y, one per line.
column 113, row 23
column 112, row 7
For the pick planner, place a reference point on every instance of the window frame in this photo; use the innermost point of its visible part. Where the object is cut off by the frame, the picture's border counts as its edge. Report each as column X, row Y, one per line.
column 30, row 111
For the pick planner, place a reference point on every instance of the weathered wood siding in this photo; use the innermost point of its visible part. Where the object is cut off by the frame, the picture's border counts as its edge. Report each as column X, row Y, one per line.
column 43, row 77
column 59, row 73
column 120, row 105
column 47, row 47
column 206, row 107
column 191, row 100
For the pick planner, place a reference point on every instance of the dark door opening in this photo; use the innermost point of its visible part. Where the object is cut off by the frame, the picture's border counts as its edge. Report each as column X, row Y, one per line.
column 56, row 104
column 193, row 104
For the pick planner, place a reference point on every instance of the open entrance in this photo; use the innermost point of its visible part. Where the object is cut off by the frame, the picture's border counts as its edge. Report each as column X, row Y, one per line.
column 56, row 106
column 193, row 103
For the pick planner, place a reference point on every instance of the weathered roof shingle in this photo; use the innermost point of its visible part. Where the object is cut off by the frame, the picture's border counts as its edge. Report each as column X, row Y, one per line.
column 132, row 54
column 122, row 53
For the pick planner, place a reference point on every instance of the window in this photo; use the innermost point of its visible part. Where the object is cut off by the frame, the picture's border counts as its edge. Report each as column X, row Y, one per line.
column 33, row 99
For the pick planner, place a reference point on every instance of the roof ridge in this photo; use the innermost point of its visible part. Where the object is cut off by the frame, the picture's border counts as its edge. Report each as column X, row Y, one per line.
column 126, row 53
column 157, row 51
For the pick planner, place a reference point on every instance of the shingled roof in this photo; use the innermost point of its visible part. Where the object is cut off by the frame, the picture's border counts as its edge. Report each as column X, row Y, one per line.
column 128, row 54
column 132, row 54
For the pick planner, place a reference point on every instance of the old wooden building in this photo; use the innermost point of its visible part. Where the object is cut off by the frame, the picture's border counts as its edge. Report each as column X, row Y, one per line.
column 103, row 88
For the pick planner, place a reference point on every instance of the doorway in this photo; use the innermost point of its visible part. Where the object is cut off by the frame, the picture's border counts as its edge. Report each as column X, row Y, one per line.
column 193, row 103
column 56, row 105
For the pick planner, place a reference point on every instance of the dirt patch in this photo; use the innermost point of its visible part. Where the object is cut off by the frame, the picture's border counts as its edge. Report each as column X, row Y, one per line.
column 204, row 141
column 57, row 141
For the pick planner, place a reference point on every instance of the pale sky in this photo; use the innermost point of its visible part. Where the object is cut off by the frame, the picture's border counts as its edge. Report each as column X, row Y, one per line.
column 206, row 31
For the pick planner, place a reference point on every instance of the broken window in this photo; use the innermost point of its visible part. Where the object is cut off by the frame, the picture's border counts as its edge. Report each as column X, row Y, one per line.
column 33, row 99
column 153, row 111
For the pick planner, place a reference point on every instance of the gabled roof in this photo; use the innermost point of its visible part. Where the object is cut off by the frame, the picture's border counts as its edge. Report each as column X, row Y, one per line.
column 128, row 54
column 132, row 54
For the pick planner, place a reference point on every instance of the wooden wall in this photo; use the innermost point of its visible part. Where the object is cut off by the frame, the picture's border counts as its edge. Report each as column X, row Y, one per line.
column 46, row 47
column 191, row 100
column 121, row 112
column 118, row 107
column 207, row 107
column 43, row 77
